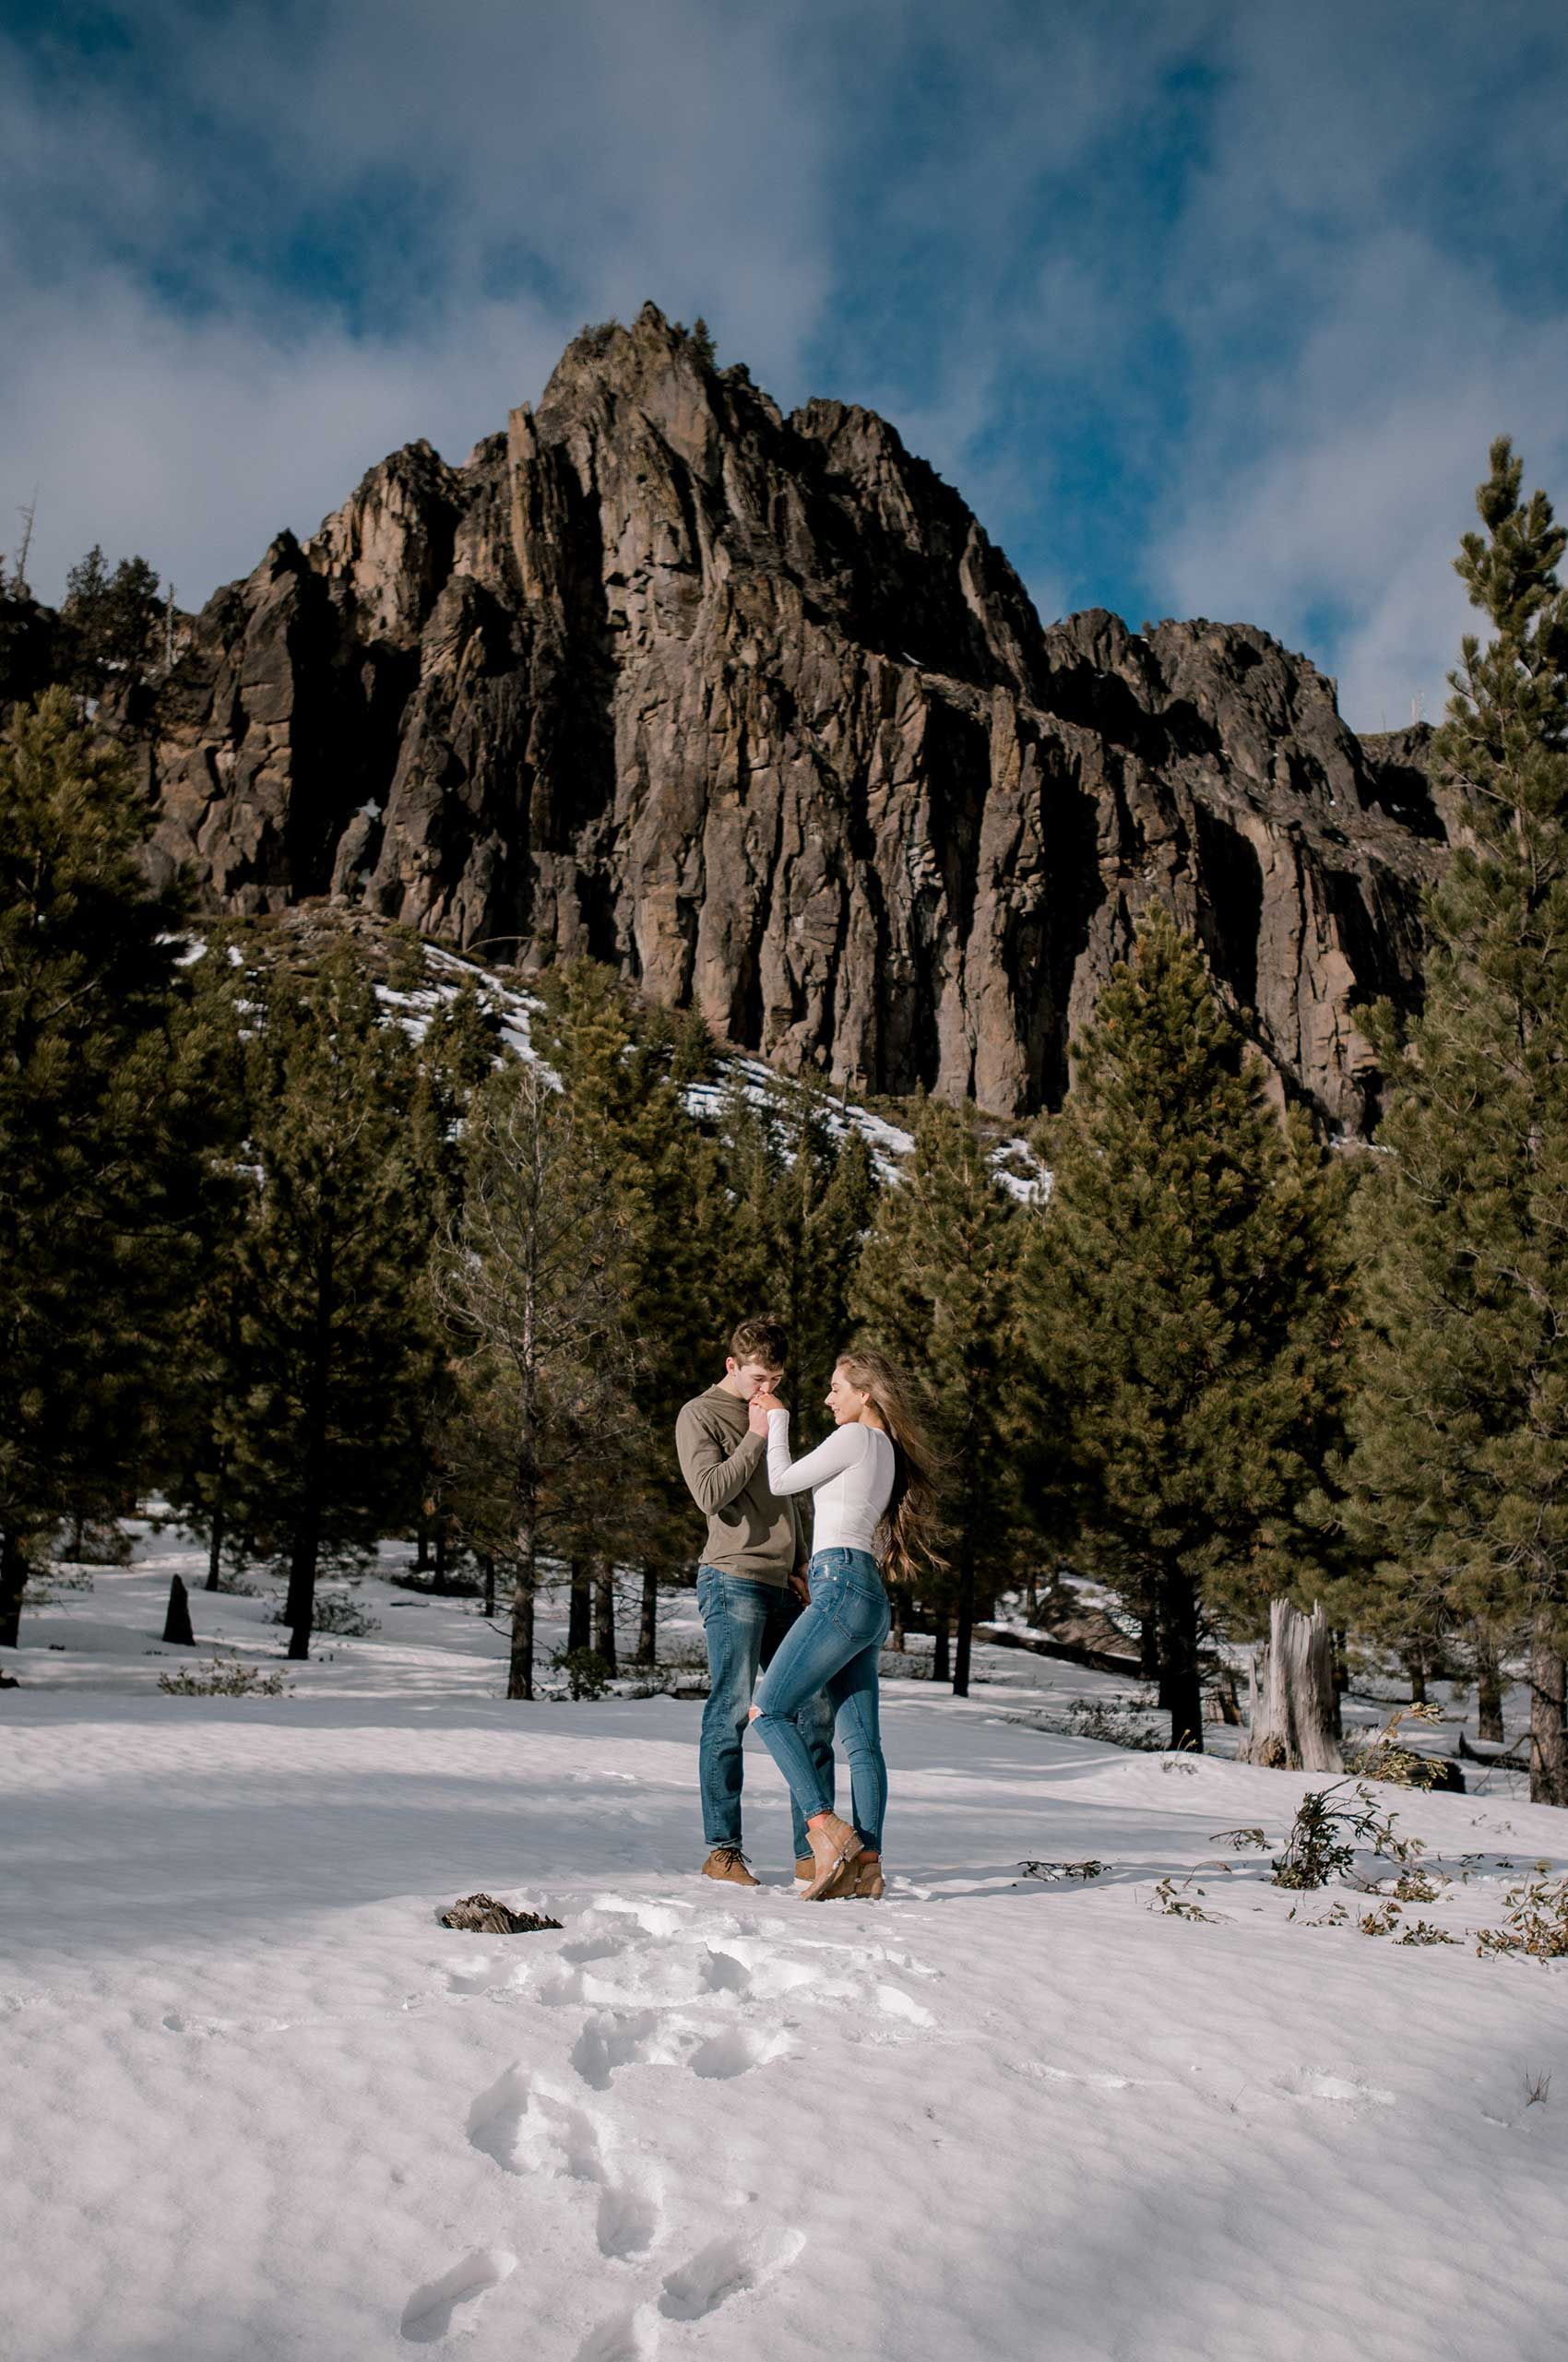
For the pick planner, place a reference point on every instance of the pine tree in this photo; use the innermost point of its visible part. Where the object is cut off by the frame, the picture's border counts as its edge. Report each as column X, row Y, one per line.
column 802, row 1193
column 1461, row 1464
column 460, row 1048
column 625, row 1066
column 1185, row 1312
column 935, row 1290
column 534, row 1284
column 194, row 1450
column 330, row 1268
column 99, row 1133
column 110, row 621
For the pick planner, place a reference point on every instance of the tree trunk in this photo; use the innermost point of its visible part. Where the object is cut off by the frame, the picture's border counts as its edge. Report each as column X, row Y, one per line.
column 487, row 1570
column 965, row 1642
column 1148, row 1647
column 215, row 1547
column 940, row 1660
column 519, row 1669
column 1291, row 1695
column 78, row 1539
column 439, row 1571
column 898, row 1601
column 1341, row 1679
column 580, row 1630
column 421, row 1551
column 604, row 1610
column 1181, row 1680
column 647, row 1635
column 300, row 1609
column 13, row 1582
column 1416, row 1666
column 1548, row 1735
column 177, row 1620
column 1489, row 1691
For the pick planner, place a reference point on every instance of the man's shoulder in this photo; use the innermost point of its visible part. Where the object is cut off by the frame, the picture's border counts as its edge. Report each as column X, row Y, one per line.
column 701, row 1410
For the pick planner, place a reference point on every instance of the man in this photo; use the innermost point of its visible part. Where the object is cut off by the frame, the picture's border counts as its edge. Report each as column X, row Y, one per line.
column 751, row 1586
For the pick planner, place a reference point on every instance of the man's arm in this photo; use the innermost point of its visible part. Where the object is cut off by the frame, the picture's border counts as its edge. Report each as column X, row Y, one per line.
column 712, row 1479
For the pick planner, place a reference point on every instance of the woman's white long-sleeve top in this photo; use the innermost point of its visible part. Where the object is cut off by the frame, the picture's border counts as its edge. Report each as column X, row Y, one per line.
column 849, row 1478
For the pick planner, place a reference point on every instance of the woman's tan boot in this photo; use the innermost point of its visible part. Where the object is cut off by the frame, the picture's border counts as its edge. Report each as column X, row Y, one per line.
column 869, row 1885
column 834, row 1846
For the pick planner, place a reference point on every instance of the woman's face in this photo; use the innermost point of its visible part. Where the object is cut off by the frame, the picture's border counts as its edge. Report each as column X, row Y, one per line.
column 845, row 1402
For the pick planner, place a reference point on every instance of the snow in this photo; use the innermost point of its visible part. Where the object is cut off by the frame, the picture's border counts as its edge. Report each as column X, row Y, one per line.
column 257, row 2103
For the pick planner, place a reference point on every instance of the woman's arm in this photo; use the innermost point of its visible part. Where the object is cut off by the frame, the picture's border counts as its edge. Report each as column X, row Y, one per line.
column 843, row 1448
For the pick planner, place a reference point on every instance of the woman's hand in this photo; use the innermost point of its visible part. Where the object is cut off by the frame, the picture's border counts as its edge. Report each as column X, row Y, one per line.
column 760, row 1403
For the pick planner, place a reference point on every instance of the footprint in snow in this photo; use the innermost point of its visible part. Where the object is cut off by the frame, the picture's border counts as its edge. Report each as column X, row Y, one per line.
column 524, row 2129
column 735, row 2051
column 630, row 2337
column 429, row 2313
column 611, row 2041
column 726, row 2268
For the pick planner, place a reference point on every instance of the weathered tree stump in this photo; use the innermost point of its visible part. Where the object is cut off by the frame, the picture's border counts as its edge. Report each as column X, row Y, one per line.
column 177, row 1623
column 481, row 1914
column 1291, row 1699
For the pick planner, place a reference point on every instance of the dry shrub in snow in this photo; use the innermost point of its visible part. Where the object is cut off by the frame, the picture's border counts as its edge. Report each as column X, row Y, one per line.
column 224, row 1676
column 1380, row 1756
column 337, row 1613
column 1326, row 1837
column 1537, row 1924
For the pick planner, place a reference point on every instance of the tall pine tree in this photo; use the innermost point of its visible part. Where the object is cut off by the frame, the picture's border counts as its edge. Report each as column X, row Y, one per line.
column 935, row 1290
column 1185, row 1308
column 330, row 1263
column 100, row 1124
column 1461, row 1464
column 534, row 1284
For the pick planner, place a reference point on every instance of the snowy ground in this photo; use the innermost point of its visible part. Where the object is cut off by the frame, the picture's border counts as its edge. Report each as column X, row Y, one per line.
column 257, row 2104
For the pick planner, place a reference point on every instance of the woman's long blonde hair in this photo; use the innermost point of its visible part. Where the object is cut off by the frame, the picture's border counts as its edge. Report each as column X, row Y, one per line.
column 905, row 1544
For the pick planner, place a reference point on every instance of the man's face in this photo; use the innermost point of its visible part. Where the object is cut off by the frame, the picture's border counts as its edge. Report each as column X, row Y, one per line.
column 750, row 1378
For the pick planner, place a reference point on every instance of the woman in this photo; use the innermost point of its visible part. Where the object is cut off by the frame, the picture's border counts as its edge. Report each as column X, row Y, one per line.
column 872, row 1498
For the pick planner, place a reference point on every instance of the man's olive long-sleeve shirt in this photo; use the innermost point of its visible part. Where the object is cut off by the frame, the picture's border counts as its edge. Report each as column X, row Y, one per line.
column 750, row 1531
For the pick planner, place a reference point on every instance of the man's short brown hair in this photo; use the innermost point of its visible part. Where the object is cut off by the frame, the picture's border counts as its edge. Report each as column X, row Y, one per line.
column 763, row 1339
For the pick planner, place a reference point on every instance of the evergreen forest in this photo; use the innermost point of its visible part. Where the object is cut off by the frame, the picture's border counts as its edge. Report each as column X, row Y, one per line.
column 307, row 1250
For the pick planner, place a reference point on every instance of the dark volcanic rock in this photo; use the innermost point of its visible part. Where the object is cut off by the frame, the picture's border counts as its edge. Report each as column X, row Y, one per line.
column 750, row 707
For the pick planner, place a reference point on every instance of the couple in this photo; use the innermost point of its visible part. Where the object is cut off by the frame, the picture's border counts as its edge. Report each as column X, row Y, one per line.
column 814, row 1622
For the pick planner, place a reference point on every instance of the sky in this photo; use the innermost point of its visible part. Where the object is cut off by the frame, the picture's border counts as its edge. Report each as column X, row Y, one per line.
column 1206, row 308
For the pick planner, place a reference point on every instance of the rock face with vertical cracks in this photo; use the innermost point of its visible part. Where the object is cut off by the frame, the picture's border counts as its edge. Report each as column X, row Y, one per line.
column 750, row 707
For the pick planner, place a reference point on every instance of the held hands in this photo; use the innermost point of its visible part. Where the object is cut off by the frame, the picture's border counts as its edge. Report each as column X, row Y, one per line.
column 760, row 1403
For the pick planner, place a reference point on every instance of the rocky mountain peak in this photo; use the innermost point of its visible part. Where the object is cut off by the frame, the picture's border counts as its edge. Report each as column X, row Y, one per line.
column 751, row 705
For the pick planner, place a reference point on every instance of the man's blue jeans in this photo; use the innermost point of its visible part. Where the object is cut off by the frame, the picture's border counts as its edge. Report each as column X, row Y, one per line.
column 833, row 1653
column 745, row 1623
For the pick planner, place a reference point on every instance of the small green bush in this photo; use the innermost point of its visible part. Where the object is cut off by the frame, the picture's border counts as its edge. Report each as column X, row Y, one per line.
column 588, row 1675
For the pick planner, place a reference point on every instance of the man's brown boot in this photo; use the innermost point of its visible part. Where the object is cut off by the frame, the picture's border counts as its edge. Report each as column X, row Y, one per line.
column 805, row 1868
column 729, row 1863
column 834, row 1846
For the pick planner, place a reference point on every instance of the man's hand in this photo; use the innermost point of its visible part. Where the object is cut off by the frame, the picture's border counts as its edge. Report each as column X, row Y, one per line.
column 801, row 1586
column 760, row 1403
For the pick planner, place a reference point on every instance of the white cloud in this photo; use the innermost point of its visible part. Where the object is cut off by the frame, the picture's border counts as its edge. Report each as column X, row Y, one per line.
column 1360, row 343
column 1289, row 324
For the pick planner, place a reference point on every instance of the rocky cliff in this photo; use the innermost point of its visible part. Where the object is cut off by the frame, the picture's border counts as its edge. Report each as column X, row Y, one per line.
column 750, row 706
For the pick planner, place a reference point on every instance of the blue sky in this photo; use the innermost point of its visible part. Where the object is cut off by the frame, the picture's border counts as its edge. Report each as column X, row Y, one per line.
column 1206, row 308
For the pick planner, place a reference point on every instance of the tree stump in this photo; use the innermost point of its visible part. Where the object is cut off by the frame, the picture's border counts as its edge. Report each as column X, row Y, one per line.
column 177, row 1623
column 1291, row 1698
